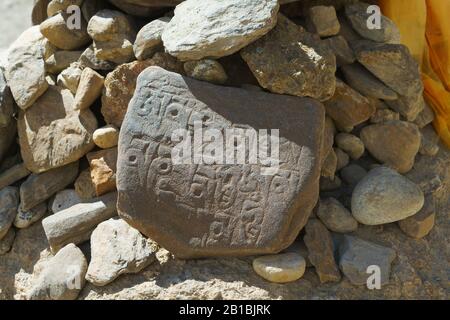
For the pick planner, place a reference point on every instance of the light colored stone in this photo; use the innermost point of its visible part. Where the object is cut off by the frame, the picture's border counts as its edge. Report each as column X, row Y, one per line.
column 305, row 67
column 148, row 39
column 84, row 186
column 116, row 249
column 75, row 224
column 350, row 144
column 62, row 277
column 89, row 60
column 384, row 196
column 9, row 202
column 25, row 218
column 280, row 268
column 56, row 29
column 52, row 133
column 70, row 78
column 39, row 187
column 356, row 255
column 206, row 70
column 420, row 225
column 61, row 60
column 335, row 216
column 106, row 137
column 25, row 67
column 63, row 200
column 324, row 20
column 320, row 248
column 89, row 89
column 103, row 166
column 394, row 143
column 218, row 28
column 56, row 6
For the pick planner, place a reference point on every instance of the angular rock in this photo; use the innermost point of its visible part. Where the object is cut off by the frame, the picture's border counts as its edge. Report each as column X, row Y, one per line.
column 425, row 117
column 353, row 174
column 148, row 39
column 39, row 187
column 366, row 83
column 328, row 137
column 103, row 166
column 305, row 66
column 7, row 241
column 61, row 60
column 6, row 103
column 335, row 216
column 121, row 83
column 206, row 70
column 9, row 202
column 89, row 60
column 52, row 133
column 320, row 248
column 329, row 166
column 351, row 145
column 75, row 224
column 280, row 268
column 117, row 248
column 408, row 107
column 384, row 196
column 25, row 68
column 56, row 29
column 84, row 186
column 356, row 255
column 344, row 54
column 13, row 174
column 70, row 78
column 218, row 29
column 420, row 224
column 359, row 17
column 62, row 277
column 324, row 20
column 63, row 200
column 347, row 107
column 394, row 143
column 215, row 198
column 89, row 89
column 26, row 218
column 106, row 137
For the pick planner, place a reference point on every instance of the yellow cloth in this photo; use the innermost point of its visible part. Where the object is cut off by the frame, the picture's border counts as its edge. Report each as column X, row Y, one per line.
column 425, row 29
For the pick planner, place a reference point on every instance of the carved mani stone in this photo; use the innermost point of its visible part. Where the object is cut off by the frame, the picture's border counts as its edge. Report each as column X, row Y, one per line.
column 204, row 210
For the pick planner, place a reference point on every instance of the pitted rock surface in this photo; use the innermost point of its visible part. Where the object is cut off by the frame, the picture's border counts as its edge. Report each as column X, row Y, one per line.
column 216, row 210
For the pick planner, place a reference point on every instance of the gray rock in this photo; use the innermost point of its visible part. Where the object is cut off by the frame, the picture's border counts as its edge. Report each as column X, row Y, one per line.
column 218, row 29
column 359, row 17
column 305, row 67
column 344, row 54
column 117, row 248
column 366, row 83
column 75, row 224
column 336, row 217
column 39, row 187
column 384, row 115
column 9, row 202
column 148, row 39
column 7, row 241
column 384, row 196
column 320, row 248
column 24, row 219
column 25, row 68
column 63, row 200
column 61, row 60
column 181, row 192
column 394, row 143
column 356, row 255
column 89, row 60
column 353, row 174
column 62, row 277
column 13, row 174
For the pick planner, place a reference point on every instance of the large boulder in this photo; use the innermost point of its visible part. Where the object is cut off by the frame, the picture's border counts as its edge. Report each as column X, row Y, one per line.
column 239, row 208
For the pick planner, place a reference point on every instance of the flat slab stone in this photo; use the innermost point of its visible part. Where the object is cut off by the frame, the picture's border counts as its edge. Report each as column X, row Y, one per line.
column 200, row 210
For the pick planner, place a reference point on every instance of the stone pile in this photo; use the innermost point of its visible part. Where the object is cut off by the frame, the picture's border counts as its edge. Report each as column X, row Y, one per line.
column 87, row 114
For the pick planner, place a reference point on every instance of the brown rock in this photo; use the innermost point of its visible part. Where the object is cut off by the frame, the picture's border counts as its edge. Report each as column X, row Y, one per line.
column 320, row 248
column 344, row 54
column 420, row 224
column 335, row 216
column 89, row 89
column 342, row 159
column 330, row 165
column 52, row 133
column 121, row 83
column 225, row 206
column 347, row 107
column 84, row 186
column 103, row 170
column 305, row 66
column 394, row 143
column 351, row 144
column 89, row 60
column 324, row 20
column 206, row 70
column 13, row 175
column 384, row 115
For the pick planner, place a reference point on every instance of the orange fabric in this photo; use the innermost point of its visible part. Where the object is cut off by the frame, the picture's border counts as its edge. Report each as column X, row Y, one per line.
column 425, row 29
